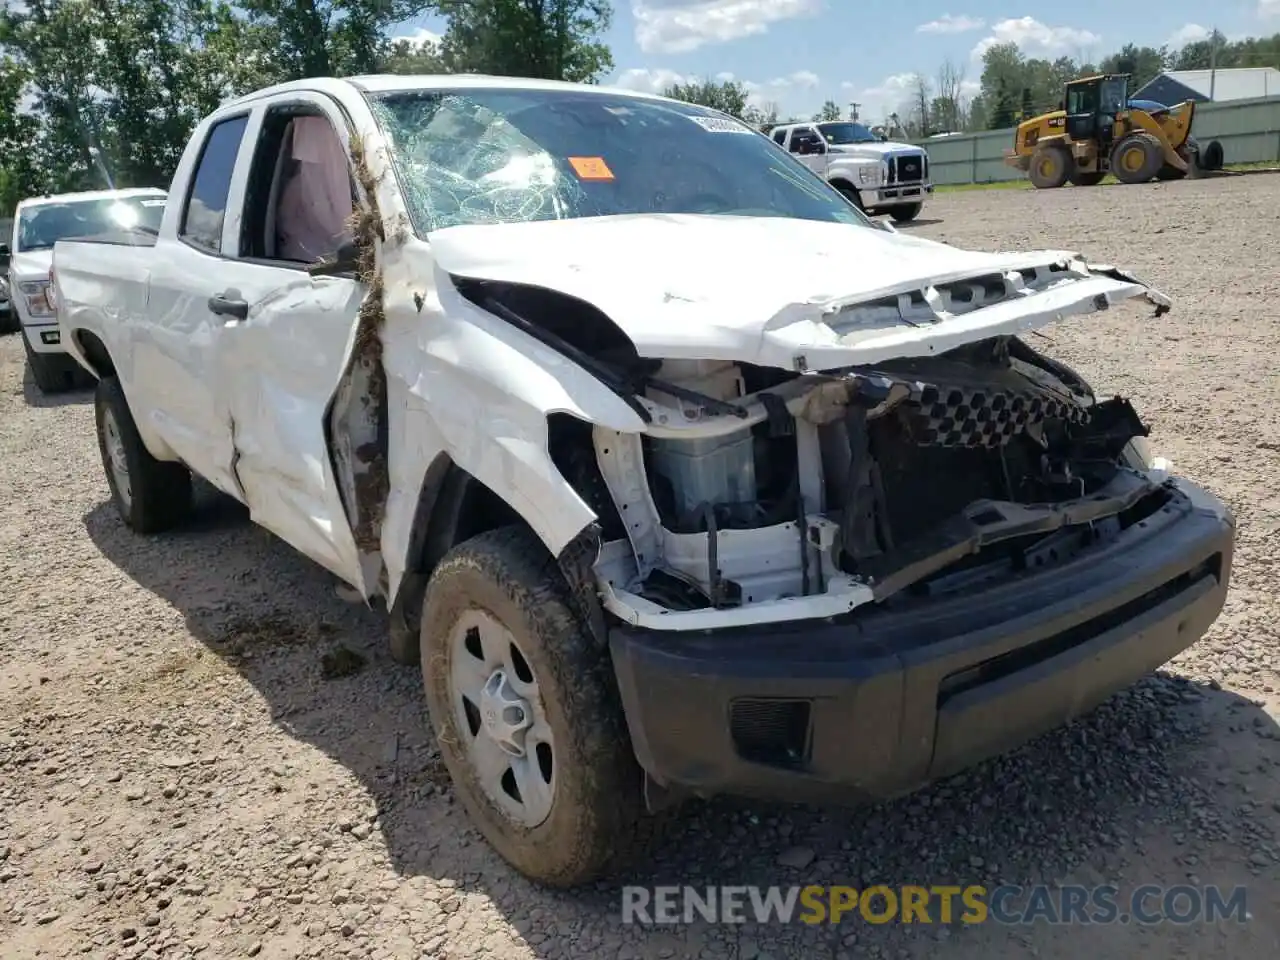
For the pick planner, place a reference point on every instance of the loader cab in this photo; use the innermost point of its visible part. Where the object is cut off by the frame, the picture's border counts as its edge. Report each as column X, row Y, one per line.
column 1092, row 105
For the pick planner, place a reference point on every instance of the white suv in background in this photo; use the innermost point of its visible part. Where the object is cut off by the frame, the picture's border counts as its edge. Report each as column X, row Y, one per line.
column 878, row 175
column 39, row 222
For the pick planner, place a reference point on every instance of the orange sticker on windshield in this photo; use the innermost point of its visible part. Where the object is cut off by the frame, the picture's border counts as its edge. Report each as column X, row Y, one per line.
column 591, row 168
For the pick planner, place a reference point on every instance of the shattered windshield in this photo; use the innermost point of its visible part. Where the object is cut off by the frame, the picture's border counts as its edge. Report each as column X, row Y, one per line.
column 850, row 132
column 41, row 227
column 504, row 156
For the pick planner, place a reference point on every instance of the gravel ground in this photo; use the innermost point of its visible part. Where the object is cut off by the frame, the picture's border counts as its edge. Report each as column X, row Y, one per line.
column 181, row 775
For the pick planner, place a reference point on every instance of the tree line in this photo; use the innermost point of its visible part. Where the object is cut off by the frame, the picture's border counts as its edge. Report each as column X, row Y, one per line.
column 106, row 91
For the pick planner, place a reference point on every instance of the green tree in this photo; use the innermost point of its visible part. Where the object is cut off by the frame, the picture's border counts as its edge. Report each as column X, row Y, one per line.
column 294, row 39
column 548, row 39
column 830, row 111
column 728, row 96
column 1143, row 64
column 408, row 56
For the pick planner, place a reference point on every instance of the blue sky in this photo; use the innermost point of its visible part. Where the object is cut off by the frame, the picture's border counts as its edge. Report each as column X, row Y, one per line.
column 798, row 53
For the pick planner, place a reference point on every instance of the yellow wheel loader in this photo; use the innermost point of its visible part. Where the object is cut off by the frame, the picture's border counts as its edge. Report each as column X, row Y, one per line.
column 1099, row 130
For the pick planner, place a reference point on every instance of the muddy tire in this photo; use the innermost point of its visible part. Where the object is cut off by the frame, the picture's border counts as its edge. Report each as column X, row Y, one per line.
column 1137, row 158
column 1050, row 166
column 150, row 495
column 527, row 713
column 906, row 212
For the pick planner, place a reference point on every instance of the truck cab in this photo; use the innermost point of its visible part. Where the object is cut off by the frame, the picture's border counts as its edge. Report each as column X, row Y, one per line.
column 877, row 175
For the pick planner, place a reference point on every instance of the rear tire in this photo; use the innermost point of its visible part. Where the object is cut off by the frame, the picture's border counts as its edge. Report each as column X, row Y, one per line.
column 1050, row 166
column 1211, row 157
column 497, row 619
column 150, row 495
column 906, row 212
column 1137, row 158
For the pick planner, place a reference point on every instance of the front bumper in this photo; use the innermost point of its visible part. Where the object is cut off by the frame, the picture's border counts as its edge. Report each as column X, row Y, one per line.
column 882, row 701
column 44, row 336
column 896, row 194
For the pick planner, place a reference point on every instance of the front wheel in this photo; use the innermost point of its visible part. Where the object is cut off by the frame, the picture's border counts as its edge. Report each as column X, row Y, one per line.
column 150, row 495
column 906, row 212
column 526, row 712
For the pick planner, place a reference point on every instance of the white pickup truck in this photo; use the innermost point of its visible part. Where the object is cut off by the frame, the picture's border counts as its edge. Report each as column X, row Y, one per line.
column 677, row 475
column 877, row 175
column 38, row 223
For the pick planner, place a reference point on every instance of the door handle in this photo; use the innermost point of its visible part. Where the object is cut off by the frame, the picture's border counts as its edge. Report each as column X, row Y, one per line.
column 226, row 307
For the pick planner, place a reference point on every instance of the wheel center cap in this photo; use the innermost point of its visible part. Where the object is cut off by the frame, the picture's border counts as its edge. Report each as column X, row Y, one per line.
column 504, row 714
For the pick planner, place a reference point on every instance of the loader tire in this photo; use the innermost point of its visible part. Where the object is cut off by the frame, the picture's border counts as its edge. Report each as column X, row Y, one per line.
column 1050, row 166
column 1137, row 158
column 1211, row 156
column 1087, row 178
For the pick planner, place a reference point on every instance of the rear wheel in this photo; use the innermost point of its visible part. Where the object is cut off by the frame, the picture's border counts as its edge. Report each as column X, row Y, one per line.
column 1087, row 178
column 1050, row 166
column 526, row 712
column 150, row 495
column 1211, row 156
column 1137, row 158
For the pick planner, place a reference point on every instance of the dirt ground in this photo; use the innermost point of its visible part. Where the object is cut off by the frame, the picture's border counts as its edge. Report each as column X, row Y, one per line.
column 181, row 775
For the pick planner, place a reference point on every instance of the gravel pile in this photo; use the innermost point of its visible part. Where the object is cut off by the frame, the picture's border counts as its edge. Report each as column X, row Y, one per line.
column 205, row 751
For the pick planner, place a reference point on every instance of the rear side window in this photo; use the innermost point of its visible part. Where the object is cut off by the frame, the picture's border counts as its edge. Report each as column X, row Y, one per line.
column 207, row 201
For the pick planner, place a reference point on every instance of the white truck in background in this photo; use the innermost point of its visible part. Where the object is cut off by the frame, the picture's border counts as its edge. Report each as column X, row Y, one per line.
column 877, row 175
column 670, row 474
column 39, row 223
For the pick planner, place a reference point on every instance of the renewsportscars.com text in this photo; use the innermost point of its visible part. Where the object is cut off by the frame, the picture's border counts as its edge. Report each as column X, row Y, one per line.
column 815, row 904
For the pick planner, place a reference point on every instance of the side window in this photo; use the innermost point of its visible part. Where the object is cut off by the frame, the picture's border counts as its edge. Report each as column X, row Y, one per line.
column 780, row 137
column 207, row 201
column 803, row 135
column 300, row 192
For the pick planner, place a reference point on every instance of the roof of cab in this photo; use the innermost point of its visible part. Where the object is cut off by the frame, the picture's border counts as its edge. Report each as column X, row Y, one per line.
column 388, row 82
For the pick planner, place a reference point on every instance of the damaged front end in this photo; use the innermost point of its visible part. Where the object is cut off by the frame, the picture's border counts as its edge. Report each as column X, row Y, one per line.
column 777, row 498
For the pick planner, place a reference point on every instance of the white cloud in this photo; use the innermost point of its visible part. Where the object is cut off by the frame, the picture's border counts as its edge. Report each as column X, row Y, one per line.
column 1268, row 9
column 947, row 23
column 784, row 91
column 792, row 93
column 888, row 96
column 421, row 35
column 895, row 94
column 1189, row 33
column 678, row 26
column 1036, row 39
column 647, row 80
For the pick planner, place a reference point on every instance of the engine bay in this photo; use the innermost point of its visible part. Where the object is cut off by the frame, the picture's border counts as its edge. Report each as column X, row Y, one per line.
column 756, row 487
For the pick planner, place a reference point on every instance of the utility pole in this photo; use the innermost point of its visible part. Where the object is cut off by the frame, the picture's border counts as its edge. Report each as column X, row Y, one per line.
column 853, row 110
column 1213, row 60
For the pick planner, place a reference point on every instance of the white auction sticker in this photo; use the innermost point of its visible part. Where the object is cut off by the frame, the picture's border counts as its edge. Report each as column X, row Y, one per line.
column 721, row 125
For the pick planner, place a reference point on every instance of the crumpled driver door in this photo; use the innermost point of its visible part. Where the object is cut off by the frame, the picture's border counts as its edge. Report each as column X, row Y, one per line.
column 281, row 364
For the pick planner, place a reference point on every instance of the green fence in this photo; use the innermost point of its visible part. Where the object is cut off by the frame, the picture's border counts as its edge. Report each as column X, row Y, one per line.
column 1249, row 131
